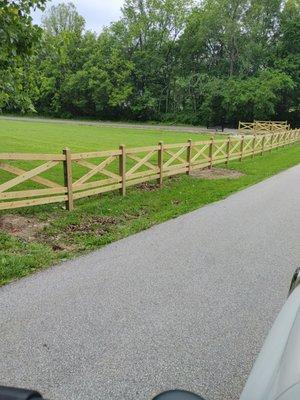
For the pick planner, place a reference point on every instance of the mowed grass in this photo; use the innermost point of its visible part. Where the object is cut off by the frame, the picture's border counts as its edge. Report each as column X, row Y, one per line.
column 42, row 137
column 97, row 221
column 45, row 137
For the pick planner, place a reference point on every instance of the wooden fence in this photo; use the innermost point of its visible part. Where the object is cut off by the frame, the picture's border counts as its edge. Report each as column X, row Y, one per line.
column 70, row 176
column 263, row 127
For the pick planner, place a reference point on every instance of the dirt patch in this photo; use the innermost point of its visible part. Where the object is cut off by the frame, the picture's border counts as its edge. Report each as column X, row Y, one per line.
column 217, row 173
column 130, row 217
column 148, row 187
column 63, row 247
column 95, row 225
column 65, row 239
column 23, row 227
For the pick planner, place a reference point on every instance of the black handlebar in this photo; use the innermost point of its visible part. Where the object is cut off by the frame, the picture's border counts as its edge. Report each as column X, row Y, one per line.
column 10, row 393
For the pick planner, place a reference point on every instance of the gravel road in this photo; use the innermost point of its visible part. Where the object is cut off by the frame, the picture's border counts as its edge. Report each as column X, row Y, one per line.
column 185, row 304
column 110, row 124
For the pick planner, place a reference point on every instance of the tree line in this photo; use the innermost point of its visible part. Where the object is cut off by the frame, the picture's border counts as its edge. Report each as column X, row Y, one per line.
column 206, row 62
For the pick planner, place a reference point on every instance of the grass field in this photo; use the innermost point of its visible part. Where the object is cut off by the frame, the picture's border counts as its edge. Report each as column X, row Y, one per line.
column 97, row 221
column 41, row 137
column 44, row 137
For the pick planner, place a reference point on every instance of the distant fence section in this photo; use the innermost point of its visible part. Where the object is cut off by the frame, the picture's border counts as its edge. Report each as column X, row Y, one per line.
column 263, row 127
column 35, row 179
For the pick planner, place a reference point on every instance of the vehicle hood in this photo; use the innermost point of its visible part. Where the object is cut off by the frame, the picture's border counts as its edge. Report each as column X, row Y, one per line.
column 276, row 372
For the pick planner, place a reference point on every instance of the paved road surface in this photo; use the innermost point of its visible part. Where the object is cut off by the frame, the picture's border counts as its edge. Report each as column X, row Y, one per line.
column 150, row 127
column 184, row 304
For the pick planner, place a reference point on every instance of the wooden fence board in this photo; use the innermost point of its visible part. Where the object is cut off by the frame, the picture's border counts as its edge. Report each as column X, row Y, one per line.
column 92, row 192
column 38, row 179
column 27, row 175
column 32, row 202
column 141, row 180
column 139, row 164
column 175, row 157
column 94, row 154
column 94, row 184
column 89, row 165
column 20, row 194
column 31, row 157
column 95, row 170
column 200, row 152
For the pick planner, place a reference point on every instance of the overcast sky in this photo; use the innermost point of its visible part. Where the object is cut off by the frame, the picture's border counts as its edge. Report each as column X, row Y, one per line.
column 97, row 13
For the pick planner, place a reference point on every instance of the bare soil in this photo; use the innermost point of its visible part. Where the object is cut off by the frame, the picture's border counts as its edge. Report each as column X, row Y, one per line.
column 96, row 225
column 88, row 225
column 148, row 186
column 22, row 227
column 217, row 173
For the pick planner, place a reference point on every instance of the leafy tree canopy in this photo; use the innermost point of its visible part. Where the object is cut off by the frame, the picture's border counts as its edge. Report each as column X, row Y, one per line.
column 18, row 37
column 201, row 62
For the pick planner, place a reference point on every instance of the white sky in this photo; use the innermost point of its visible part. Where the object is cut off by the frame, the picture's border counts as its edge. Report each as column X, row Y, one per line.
column 97, row 13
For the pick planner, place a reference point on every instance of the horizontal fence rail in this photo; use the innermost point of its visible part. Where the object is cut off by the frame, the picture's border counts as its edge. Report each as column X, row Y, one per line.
column 54, row 178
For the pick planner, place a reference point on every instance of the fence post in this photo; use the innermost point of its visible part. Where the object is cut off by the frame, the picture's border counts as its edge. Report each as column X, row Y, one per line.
column 263, row 145
column 227, row 150
column 253, row 146
column 242, row 147
column 210, row 154
column 160, row 163
column 189, row 157
column 122, row 169
column 68, row 178
column 272, row 140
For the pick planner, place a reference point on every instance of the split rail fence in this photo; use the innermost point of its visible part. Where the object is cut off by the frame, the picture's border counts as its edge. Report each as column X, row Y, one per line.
column 70, row 176
column 263, row 127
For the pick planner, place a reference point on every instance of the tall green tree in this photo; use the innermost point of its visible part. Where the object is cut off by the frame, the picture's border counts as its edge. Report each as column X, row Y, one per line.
column 288, row 59
column 153, row 29
column 103, row 85
column 18, row 37
column 63, row 17
column 60, row 55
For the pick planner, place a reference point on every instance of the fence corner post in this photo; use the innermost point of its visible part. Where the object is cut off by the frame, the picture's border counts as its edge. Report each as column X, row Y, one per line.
column 228, row 150
column 160, row 163
column 253, row 146
column 68, row 178
column 189, row 157
column 290, row 137
column 263, row 145
column 122, row 169
column 242, row 147
column 211, row 146
column 272, row 142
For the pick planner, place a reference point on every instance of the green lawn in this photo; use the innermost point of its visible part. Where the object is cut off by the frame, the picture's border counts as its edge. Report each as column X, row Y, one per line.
column 97, row 221
column 42, row 137
column 45, row 137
